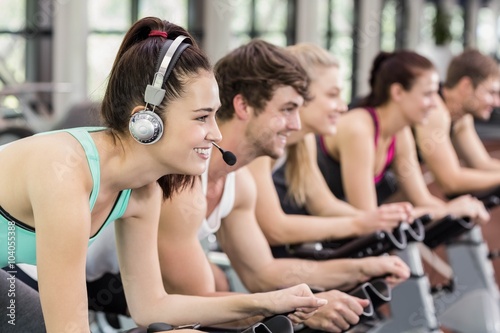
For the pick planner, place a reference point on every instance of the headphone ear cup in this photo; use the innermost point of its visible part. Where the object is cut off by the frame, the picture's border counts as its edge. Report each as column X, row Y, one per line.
column 146, row 127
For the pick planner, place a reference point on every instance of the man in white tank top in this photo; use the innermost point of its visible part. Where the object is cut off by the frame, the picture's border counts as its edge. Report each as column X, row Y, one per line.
column 261, row 89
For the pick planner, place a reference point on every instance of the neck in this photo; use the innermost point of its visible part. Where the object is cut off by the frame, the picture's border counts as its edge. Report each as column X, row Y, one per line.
column 390, row 120
column 135, row 172
column 233, row 140
column 453, row 100
column 296, row 136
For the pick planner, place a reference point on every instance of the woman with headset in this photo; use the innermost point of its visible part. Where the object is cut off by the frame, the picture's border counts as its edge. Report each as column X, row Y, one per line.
column 59, row 189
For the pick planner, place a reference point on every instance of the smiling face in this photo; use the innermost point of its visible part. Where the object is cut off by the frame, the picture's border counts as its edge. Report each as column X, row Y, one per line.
column 190, row 126
column 267, row 132
column 320, row 115
column 481, row 100
column 417, row 102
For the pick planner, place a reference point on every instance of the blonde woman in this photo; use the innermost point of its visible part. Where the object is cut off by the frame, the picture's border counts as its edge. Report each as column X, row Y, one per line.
column 294, row 204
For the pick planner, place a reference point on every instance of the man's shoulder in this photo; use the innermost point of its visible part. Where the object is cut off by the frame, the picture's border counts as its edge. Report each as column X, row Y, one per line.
column 245, row 187
column 438, row 119
column 243, row 177
column 466, row 120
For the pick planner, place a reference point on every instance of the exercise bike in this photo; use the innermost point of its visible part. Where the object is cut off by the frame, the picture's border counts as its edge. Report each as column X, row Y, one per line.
column 404, row 239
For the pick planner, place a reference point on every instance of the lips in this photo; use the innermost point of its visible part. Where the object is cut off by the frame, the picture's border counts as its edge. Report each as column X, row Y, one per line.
column 333, row 118
column 203, row 151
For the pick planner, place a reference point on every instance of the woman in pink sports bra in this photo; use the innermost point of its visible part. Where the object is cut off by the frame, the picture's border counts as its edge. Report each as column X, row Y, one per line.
column 294, row 204
column 377, row 135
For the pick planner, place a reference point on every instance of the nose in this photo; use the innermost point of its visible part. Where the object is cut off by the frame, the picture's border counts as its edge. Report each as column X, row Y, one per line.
column 433, row 102
column 342, row 107
column 496, row 100
column 214, row 133
column 293, row 121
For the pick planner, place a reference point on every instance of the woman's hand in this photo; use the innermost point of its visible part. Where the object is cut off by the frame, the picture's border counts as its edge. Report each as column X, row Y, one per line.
column 298, row 301
column 393, row 268
column 386, row 217
column 341, row 312
column 469, row 206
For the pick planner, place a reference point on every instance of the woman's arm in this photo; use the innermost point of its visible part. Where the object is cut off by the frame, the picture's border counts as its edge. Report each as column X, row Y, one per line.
column 356, row 155
column 249, row 253
column 356, row 151
column 281, row 228
column 320, row 201
column 409, row 175
column 147, row 300
column 60, row 203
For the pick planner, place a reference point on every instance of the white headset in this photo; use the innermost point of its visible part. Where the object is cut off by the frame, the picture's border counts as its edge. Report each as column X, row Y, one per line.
column 146, row 126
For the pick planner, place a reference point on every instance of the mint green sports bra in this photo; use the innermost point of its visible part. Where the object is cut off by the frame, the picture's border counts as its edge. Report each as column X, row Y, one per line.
column 17, row 240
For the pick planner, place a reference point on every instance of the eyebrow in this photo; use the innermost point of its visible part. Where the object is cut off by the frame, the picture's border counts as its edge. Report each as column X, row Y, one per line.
column 206, row 109
column 291, row 104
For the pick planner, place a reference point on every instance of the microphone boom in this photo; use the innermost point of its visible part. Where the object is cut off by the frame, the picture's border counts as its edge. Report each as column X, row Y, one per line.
column 227, row 156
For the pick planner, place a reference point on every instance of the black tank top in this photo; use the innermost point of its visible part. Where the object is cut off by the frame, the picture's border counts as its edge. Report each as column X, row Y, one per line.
column 385, row 182
column 287, row 204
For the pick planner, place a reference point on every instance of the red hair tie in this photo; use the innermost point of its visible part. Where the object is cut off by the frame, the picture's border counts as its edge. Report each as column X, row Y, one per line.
column 158, row 33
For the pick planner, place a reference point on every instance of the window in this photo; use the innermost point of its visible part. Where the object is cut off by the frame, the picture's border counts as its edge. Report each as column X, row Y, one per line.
column 108, row 22
column 457, row 28
column 174, row 11
column 456, row 25
column 336, row 25
column 388, row 26
column 12, row 41
column 266, row 19
column 487, row 38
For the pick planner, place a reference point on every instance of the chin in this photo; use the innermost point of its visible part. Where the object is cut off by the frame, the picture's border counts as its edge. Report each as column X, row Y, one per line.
column 330, row 130
column 486, row 115
column 423, row 121
column 194, row 170
column 199, row 170
column 276, row 153
column 481, row 114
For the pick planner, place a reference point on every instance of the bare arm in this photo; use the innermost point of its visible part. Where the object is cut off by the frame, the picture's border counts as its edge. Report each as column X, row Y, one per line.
column 62, row 233
column 184, row 265
column 319, row 200
column 440, row 157
column 413, row 184
column 410, row 178
column 281, row 228
column 469, row 147
column 250, row 255
column 139, row 264
column 356, row 151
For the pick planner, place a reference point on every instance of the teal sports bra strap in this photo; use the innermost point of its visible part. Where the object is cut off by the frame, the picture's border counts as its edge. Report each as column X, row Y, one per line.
column 83, row 136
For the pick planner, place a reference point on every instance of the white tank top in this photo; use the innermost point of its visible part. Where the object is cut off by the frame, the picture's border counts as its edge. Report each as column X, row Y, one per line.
column 211, row 224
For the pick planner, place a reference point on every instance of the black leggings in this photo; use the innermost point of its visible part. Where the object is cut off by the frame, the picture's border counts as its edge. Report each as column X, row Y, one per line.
column 104, row 294
column 20, row 309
